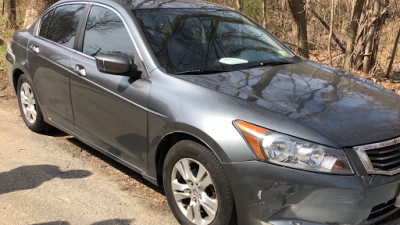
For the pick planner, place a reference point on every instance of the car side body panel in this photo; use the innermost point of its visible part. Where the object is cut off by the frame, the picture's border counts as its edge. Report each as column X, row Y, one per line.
column 18, row 59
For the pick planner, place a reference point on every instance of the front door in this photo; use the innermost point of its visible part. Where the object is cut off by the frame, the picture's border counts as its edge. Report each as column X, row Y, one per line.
column 110, row 111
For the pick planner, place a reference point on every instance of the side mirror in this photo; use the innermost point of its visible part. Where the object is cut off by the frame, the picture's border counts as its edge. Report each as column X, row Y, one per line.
column 118, row 64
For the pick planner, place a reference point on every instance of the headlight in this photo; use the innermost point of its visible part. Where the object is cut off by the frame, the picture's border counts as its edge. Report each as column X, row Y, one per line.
column 292, row 152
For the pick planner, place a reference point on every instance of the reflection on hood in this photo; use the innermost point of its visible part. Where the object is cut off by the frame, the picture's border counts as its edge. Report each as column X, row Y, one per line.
column 318, row 96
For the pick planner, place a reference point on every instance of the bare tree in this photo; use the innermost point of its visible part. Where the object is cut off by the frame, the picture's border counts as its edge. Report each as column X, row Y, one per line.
column 297, row 9
column 378, row 15
column 354, row 24
column 241, row 2
column 264, row 4
column 35, row 9
column 328, row 28
column 331, row 31
column 368, row 19
column 238, row 4
column 389, row 69
column 10, row 14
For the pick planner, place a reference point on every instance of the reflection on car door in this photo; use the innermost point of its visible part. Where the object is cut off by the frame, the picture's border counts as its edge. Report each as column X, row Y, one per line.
column 110, row 111
column 50, row 58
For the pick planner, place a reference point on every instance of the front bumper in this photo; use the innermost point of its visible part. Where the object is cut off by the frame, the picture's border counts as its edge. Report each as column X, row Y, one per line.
column 270, row 194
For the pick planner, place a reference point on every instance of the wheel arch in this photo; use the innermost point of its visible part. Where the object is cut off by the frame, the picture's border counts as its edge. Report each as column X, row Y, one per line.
column 16, row 74
column 173, row 137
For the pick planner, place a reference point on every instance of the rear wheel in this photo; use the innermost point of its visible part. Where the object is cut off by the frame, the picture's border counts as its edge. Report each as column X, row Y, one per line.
column 196, row 186
column 29, row 107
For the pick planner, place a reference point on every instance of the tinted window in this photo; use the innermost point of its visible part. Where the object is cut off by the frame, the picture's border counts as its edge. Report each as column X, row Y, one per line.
column 64, row 24
column 106, row 34
column 44, row 26
column 208, row 40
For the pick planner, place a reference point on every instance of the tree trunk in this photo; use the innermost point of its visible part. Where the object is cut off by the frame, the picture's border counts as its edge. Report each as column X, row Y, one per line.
column 35, row 9
column 296, row 7
column 389, row 69
column 265, row 12
column 331, row 32
column 376, row 15
column 238, row 4
column 10, row 14
column 370, row 37
column 354, row 25
column 368, row 19
column 328, row 28
column 241, row 3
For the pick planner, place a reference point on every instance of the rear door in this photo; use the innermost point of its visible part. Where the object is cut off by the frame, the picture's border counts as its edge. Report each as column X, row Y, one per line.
column 110, row 110
column 50, row 61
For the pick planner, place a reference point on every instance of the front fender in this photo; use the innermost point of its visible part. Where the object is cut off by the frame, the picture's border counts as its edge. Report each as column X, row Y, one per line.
column 157, row 134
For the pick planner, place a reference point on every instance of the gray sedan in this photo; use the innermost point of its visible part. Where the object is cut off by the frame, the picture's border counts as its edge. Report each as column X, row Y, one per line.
column 202, row 100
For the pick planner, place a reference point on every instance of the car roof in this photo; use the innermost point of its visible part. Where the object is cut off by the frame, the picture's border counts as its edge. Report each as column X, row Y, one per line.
column 156, row 4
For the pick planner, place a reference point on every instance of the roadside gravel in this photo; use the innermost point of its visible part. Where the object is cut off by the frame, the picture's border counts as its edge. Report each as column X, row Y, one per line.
column 55, row 179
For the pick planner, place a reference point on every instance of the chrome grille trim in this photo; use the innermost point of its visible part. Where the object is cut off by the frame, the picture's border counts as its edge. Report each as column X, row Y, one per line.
column 362, row 154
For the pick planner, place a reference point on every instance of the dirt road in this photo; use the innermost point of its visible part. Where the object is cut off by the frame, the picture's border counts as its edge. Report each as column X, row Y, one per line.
column 54, row 179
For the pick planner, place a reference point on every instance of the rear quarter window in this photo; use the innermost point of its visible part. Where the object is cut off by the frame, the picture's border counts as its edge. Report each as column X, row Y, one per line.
column 45, row 22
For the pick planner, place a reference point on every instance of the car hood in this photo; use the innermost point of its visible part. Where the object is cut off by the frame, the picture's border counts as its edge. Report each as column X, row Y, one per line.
column 346, row 109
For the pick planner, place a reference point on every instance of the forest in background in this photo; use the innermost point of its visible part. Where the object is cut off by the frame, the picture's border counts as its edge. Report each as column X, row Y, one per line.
column 359, row 36
column 355, row 35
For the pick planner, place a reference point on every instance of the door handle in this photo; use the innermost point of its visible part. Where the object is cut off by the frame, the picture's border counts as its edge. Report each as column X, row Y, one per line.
column 35, row 49
column 80, row 70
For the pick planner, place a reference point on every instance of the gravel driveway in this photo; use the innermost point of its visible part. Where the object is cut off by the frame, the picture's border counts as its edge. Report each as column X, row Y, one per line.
column 55, row 179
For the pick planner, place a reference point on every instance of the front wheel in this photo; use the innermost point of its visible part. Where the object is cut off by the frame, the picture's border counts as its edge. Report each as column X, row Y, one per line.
column 29, row 106
column 196, row 186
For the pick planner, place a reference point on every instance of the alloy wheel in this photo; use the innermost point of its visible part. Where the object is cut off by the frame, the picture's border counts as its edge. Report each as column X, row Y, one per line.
column 194, row 191
column 28, row 102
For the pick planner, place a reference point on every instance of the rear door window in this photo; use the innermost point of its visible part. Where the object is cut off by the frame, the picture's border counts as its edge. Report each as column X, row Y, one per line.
column 106, row 34
column 64, row 24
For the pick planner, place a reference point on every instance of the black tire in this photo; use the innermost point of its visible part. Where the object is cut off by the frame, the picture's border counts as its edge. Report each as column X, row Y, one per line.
column 220, row 188
column 36, row 124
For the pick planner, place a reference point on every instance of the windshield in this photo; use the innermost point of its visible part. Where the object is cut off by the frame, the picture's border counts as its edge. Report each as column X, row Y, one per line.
column 186, row 40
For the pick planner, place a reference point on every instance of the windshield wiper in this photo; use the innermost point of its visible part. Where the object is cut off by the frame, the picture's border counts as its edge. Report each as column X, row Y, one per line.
column 272, row 63
column 211, row 71
column 201, row 71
